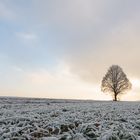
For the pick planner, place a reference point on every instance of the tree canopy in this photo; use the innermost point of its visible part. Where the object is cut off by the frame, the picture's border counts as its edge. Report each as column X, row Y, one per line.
column 115, row 82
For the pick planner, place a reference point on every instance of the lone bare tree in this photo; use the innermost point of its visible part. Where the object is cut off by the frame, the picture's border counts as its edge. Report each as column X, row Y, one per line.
column 115, row 81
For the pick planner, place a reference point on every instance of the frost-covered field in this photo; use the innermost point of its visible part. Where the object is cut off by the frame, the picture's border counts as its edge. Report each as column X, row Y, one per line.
column 40, row 119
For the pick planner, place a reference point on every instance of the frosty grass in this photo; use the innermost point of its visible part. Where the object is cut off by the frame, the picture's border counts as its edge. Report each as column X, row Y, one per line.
column 42, row 119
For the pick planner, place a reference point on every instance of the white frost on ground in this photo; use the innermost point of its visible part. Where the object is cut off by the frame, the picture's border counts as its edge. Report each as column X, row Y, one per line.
column 40, row 119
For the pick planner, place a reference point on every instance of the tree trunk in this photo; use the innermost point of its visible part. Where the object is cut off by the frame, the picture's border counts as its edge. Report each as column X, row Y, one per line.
column 115, row 97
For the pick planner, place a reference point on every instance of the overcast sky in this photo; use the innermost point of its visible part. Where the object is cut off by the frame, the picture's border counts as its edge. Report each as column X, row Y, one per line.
column 63, row 48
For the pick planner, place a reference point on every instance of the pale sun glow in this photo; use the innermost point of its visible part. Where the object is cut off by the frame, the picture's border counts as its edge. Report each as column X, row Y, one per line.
column 135, row 82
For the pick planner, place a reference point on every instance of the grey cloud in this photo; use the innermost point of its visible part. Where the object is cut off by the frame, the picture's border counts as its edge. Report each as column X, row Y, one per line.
column 5, row 12
column 91, row 35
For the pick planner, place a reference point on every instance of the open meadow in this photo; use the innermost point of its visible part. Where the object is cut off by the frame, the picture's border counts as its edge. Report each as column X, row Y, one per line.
column 48, row 119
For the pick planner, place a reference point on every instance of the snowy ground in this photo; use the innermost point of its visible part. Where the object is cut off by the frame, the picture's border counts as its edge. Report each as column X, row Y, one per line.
column 40, row 119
